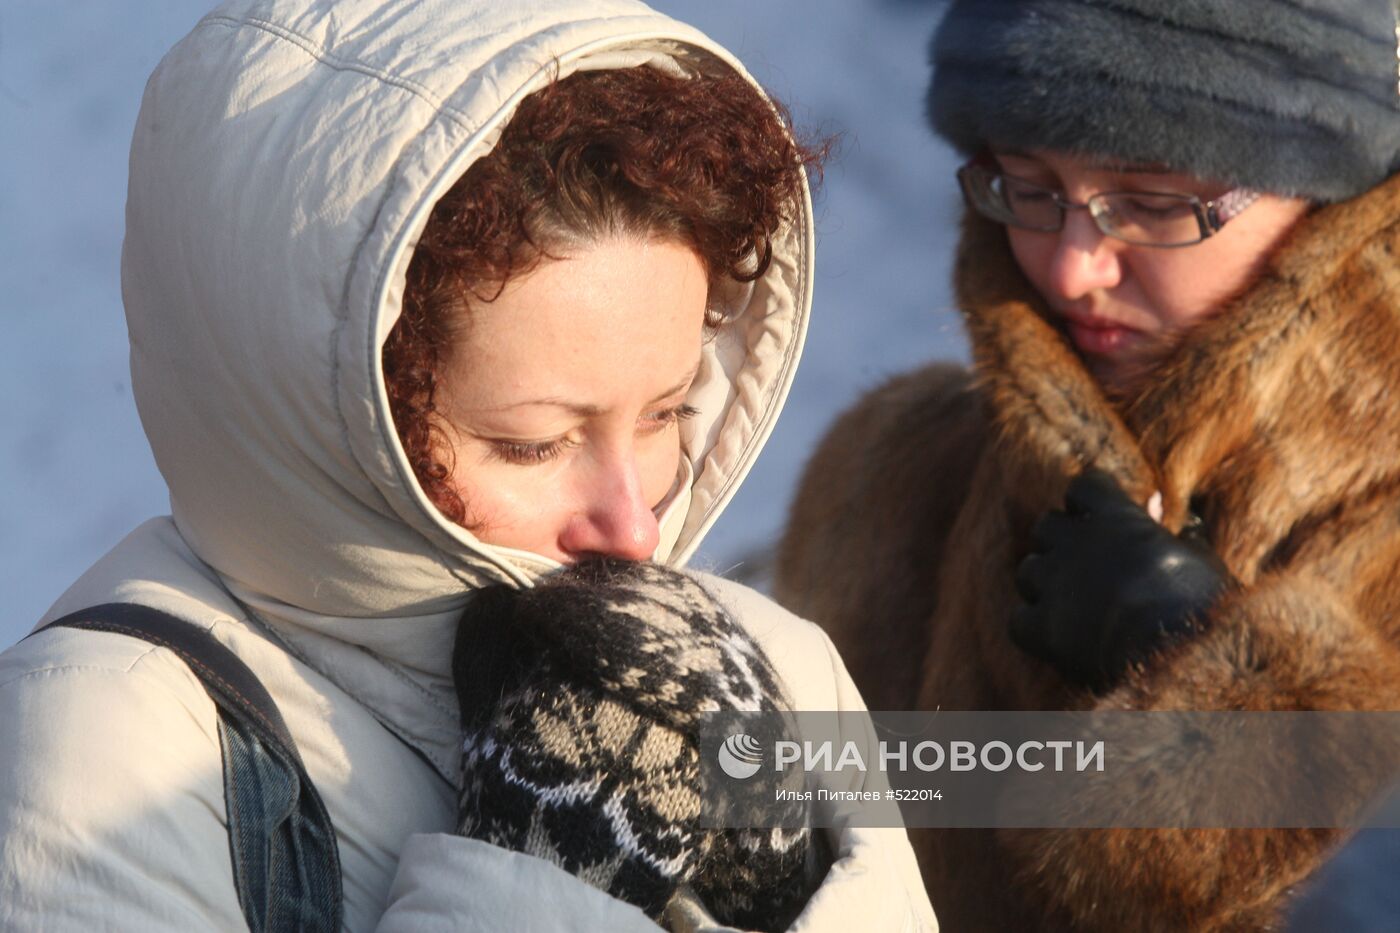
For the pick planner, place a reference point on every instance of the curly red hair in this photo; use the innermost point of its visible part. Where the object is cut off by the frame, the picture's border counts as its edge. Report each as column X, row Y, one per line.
column 706, row 161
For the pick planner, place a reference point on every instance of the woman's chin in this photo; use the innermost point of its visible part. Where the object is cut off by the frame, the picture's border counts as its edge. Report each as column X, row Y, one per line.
column 1122, row 377
column 1133, row 364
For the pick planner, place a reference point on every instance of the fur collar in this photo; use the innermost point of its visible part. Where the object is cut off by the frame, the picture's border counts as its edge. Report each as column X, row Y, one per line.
column 1271, row 415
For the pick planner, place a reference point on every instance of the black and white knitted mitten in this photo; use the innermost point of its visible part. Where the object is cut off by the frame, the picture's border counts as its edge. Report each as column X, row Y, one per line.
column 580, row 702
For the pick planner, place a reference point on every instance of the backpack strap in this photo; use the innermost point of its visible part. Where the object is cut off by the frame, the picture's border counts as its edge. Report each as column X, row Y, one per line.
column 286, row 866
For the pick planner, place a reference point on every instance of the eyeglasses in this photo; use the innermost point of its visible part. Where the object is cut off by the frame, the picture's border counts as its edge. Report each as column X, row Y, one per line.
column 1143, row 218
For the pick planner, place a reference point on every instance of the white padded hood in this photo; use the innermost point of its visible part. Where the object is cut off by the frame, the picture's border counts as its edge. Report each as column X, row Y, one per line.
column 285, row 160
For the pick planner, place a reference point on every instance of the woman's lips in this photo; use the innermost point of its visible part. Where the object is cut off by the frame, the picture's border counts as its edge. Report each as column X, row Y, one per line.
column 1098, row 336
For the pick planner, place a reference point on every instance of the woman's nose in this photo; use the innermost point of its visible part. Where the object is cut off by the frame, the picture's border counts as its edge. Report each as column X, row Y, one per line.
column 614, row 518
column 1085, row 260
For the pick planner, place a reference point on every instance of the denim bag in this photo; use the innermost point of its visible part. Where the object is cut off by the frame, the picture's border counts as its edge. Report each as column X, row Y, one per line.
column 286, row 867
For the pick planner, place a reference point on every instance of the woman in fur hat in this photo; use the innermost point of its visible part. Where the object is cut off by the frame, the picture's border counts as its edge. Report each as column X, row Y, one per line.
column 1171, row 478
column 430, row 301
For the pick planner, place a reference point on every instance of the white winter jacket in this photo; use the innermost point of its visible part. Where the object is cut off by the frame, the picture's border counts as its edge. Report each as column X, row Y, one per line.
column 284, row 163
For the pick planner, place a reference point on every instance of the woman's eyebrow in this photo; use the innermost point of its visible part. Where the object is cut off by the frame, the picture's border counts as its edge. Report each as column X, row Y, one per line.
column 679, row 387
column 587, row 411
column 1132, row 168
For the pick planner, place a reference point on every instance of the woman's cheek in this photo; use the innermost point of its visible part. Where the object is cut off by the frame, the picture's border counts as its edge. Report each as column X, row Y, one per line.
column 526, row 505
column 505, row 500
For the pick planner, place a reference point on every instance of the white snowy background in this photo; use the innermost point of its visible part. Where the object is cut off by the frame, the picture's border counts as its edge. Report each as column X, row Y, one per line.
column 75, row 472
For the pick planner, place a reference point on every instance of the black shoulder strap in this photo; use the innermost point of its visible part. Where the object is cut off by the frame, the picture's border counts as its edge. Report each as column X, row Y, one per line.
column 286, row 865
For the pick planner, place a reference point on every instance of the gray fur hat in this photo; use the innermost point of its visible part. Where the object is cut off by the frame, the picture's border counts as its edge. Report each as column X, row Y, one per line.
column 1294, row 97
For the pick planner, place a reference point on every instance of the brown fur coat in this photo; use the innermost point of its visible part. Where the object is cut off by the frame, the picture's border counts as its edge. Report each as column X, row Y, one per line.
column 1278, row 420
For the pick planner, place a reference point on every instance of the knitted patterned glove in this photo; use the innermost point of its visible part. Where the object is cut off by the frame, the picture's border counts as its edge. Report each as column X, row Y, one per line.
column 580, row 702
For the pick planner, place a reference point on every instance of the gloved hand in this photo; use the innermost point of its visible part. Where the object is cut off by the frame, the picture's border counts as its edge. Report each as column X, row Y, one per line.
column 1105, row 585
column 580, row 701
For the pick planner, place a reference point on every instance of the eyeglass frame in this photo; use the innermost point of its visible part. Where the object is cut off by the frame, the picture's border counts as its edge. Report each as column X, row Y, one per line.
column 1211, row 215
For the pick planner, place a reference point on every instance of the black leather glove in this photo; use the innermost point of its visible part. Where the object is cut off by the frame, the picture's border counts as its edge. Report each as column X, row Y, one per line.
column 1105, row 585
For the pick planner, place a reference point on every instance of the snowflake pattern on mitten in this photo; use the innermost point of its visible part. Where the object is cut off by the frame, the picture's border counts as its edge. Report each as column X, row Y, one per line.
column 580, row 703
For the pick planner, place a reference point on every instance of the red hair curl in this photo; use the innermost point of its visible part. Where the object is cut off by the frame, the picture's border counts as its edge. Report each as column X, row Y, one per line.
column 705, row 161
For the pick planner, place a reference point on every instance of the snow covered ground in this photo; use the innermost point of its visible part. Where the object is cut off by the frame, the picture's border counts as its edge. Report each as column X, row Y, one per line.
column 75, row 471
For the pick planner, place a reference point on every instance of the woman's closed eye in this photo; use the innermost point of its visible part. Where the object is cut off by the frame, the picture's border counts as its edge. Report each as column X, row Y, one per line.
column 1161, row 207
column 661, row 420
column 529, row 453
column 1024, row 194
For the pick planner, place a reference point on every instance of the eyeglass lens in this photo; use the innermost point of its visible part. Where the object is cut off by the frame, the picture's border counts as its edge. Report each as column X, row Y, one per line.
column 1136, row 217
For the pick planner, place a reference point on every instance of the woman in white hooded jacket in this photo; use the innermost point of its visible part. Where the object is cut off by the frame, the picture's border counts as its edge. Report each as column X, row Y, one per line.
column 285, row 163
